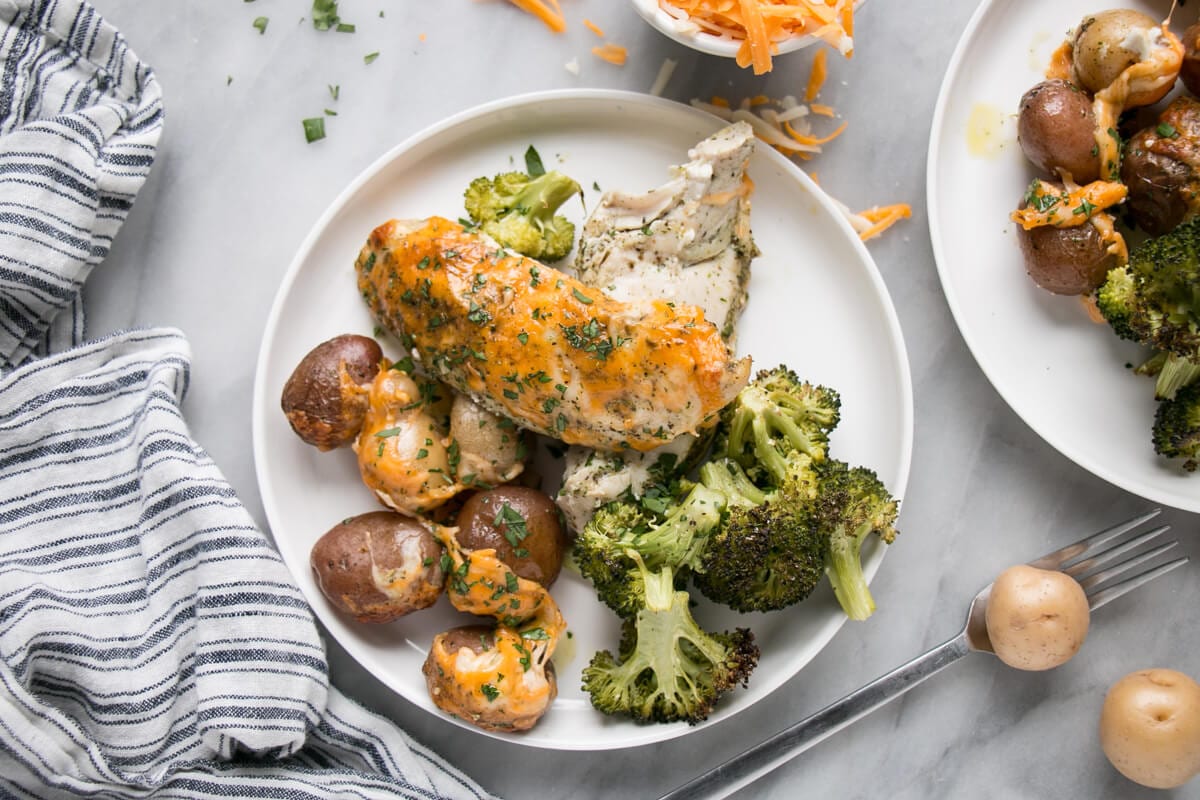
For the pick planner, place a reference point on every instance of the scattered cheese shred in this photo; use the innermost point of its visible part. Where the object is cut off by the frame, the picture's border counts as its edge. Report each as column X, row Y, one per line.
column 760, row 25
column 882, row 218
column 786, row 125
column 664, row 77
column 816, row 78
column 612, row 53
column 594, row 28
column 548, row 11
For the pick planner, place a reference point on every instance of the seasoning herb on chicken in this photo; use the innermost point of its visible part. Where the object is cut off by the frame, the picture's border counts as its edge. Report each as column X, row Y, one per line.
column 533, row 344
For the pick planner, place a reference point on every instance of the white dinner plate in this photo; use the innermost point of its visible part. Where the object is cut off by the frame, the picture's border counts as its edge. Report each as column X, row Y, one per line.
column 817, row 303
column 1066, row 376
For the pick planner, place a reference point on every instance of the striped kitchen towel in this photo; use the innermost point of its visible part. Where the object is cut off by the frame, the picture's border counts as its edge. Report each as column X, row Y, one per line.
column 152, row 643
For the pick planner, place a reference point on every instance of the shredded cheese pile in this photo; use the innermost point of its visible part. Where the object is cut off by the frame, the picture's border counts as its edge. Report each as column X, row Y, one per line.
column 761, row 24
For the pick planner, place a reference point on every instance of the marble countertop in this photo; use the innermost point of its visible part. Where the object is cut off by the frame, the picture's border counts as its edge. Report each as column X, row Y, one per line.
column 236, row 189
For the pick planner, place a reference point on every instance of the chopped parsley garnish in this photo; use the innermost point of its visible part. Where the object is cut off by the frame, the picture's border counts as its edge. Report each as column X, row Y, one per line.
column 405, row 364
column 581, row 297
column 511, row 524
column 1166, row 130
column 325, row 14
column 523, row 337
column 490, row 692
column 345, row 27
column 536, row 634
column 533, row 163
column 260, row 24
column 334, row 90
column 1085, row 208
column 370, row 57
column 314, row 129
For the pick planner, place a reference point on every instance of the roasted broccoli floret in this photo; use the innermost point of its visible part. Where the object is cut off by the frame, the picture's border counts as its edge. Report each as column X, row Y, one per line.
column 1177, row 427
column 775, row 415
column 766, row 555
column 605, row 548
column 668, row 668
column 851, row 503
column 518, row 212
column 1155, row 299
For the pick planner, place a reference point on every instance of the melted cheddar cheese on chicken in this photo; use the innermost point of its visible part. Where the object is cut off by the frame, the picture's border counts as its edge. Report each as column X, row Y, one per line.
column 533, row 344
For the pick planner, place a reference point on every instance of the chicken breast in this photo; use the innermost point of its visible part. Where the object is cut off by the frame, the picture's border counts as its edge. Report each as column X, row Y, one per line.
column 541, row 348
column 688, row 241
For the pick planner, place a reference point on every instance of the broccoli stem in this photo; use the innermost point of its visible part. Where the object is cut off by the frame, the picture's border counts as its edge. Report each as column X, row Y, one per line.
column 727, row 477
column 845, row 572
column 542, row 196
column 1176, row 373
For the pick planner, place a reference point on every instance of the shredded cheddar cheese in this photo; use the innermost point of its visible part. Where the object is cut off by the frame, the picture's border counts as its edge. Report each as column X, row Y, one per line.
column 594, row 28
column 816, row 77
column 760, row 25
column 548, row 11
column 1046, row 204
column 612, row 53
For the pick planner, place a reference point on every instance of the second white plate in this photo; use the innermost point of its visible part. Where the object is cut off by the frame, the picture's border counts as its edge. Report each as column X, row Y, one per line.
column 817, row 303
column 1064, row 375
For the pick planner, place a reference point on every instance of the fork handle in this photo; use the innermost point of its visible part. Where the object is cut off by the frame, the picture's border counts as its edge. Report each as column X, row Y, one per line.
column 750, row 765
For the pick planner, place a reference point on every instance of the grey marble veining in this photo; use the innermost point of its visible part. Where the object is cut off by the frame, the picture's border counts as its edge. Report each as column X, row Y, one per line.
column 236, row 190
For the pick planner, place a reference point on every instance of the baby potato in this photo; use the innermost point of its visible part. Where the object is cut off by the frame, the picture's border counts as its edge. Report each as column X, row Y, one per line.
column 1150, row 727
column 1109, row 42
column 1036, row 618
column 522, row 525
column 378, row 566
column 325, row 398
column 1056, row 128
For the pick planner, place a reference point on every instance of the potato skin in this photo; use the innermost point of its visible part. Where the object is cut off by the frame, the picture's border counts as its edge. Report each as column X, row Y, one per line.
column 378, row 566
column 1070, row 260
column 466, row 704
column 1056, row 128
column 1100, row 55
column 322, row 399
column 1156, row 183
column 1150, row 727
column 1037, row 619
column 1189, row 71
column 537, row 556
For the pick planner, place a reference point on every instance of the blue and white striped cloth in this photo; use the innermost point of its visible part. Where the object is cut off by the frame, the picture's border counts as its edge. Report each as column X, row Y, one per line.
column 152, row 643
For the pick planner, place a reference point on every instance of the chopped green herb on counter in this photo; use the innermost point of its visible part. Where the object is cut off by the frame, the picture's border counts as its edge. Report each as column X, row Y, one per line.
column 314, row 129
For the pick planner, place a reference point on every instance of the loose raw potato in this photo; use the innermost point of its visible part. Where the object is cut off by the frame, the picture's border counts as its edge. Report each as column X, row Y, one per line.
column 1150, row 727
column 1072, row 260
column 1109, row 42
column 1036, row 618
column 476, row 678
column 1056, row 128
column 522, row 525
column 379, row 566
column 325, row 397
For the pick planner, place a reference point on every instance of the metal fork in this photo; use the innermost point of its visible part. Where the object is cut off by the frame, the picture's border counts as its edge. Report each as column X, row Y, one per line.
column 1104, row 563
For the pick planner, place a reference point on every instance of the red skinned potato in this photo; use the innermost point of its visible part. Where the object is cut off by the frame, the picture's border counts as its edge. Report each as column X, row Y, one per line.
column 1189, row 72
column 325, row 398
column 521, row 524
column 1065, row 260
column 379, row 566
column 1056, row 128
column 478, row 678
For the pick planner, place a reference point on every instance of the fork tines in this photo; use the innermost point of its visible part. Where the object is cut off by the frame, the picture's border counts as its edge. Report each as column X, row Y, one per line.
column 1114, row 553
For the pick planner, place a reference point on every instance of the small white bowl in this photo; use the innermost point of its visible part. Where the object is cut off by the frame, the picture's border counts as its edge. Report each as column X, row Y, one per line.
column 688, row 33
